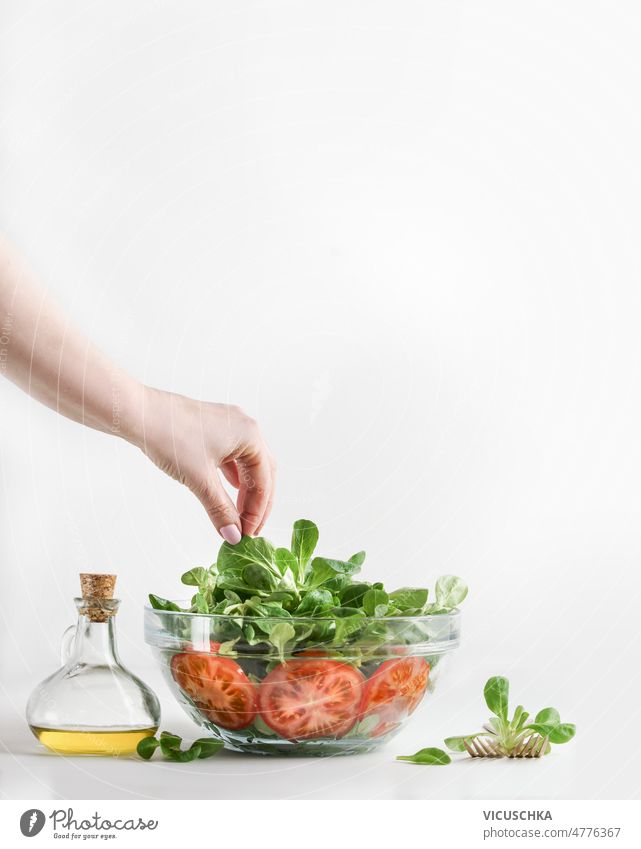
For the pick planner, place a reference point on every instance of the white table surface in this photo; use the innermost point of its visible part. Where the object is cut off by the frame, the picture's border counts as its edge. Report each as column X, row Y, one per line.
column 28, row 771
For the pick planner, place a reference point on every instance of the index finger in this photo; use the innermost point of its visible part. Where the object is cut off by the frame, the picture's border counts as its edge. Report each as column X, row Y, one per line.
column 254, row 496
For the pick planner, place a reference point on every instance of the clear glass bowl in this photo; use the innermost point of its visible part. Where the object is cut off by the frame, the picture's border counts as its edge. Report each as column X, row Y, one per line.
column 330, row 694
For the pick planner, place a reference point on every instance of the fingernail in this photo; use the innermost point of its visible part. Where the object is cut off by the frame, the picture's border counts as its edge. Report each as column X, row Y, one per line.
column 230, row 534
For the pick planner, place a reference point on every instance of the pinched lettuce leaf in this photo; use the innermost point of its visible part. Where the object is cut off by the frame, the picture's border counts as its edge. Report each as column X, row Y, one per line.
column 254, row 588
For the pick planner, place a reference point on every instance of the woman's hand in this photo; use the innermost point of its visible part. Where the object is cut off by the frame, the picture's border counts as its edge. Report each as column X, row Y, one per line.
column 192, row 440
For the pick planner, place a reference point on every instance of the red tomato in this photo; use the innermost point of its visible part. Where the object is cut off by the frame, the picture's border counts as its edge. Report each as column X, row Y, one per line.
column 307, row 699
column 217, row 686
column 394, row 691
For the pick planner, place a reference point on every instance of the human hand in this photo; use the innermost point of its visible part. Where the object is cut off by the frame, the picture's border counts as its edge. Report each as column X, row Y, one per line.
column 192, row 440
column 189, row 440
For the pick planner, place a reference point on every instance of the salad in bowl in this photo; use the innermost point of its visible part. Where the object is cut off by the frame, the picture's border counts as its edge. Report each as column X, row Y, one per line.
column 282, row 652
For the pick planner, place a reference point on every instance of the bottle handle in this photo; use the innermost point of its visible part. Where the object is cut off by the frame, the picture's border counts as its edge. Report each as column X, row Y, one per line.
column 66, row 643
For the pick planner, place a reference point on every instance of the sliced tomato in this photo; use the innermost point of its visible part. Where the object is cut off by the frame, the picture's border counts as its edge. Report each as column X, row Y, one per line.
column 308, row 699
column 394, row 691
column 217, row 686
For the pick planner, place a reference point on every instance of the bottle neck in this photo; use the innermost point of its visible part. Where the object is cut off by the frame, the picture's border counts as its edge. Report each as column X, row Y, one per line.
column 95, row 642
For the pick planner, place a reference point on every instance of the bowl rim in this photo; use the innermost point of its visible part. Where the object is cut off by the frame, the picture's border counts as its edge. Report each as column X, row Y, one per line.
column 453, row 616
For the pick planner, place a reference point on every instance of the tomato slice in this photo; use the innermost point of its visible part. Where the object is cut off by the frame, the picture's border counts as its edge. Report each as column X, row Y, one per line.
column 308, row 699
column 394, row 691
column 217, row 686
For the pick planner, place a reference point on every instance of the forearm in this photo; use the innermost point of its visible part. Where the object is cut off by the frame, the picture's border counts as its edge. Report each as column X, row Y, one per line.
column 44, row 354
column 190, row 440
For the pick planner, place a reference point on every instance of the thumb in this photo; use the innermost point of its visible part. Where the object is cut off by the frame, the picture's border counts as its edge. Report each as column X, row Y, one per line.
column 221, row 511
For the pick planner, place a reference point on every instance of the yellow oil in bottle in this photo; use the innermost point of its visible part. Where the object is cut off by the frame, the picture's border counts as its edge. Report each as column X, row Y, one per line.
column 69, row 742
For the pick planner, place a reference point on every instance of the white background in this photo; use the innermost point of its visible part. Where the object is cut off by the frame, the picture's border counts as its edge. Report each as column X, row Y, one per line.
column 405, row 237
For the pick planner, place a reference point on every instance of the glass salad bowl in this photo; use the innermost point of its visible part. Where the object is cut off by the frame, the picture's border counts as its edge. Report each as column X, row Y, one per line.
column 313, row 689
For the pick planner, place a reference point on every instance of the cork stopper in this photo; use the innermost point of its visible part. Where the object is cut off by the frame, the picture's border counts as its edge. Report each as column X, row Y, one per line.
column 96, row 589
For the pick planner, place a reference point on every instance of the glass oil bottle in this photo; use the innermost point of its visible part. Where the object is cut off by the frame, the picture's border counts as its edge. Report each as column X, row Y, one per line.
column 93, row 705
